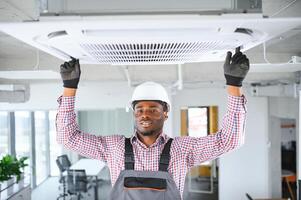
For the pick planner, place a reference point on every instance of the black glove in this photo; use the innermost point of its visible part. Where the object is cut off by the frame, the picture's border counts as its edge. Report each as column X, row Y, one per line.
column 70, row 73
column 236, row 68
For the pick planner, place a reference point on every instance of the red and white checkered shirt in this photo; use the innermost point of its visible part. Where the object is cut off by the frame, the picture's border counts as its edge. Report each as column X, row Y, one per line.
column 185, row 152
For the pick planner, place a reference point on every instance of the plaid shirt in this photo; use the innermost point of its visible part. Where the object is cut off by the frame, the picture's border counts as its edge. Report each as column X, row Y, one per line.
column 185, row 152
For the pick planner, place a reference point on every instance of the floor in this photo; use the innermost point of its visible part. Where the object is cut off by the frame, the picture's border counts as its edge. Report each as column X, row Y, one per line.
column 49, row 190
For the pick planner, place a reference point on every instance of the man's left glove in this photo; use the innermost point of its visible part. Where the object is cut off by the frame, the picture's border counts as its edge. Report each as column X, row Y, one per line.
column 236, row 68
column 70, row 73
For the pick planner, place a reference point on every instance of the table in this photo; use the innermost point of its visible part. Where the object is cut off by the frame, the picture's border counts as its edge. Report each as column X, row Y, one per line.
column 93, row 169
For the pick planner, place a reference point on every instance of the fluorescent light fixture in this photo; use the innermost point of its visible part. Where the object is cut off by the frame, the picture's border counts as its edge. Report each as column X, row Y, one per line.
column 34, row 75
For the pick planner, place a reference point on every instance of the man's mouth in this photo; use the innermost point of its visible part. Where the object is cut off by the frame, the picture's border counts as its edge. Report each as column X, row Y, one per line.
column 145, row 124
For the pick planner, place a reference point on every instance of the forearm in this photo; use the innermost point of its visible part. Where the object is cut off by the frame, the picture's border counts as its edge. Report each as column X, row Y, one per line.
column 232, row 132
column 66, row 124
column 71, row 137
column 68, row 92
column 234, row 91
column 229, row 137
column 233, row 125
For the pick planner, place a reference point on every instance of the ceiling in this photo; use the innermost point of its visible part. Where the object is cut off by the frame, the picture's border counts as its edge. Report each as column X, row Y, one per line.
column 18, row 56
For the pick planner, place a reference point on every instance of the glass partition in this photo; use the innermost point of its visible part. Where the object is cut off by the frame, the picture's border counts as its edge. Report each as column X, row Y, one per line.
column 41, row 142
column 55, row 148
column 4, row 133
column 23, row 136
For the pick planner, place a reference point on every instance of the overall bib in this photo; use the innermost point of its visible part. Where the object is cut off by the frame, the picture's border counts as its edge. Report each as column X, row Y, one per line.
column 145, row 185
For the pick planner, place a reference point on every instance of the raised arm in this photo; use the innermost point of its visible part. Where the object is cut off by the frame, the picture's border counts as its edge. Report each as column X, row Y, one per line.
column 68, row 132
column 231, row 134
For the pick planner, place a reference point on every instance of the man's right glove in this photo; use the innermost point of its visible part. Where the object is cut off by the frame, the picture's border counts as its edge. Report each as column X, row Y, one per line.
column 236, row 68
column 70, row 73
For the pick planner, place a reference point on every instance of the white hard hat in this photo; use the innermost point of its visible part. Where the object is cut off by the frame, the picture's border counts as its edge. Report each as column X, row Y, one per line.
column 150, row 91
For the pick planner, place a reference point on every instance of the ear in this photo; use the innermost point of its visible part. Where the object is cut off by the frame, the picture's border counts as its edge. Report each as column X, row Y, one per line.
column 165, row 116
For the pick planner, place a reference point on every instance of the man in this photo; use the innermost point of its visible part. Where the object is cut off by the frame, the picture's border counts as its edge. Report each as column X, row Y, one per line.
column 150, row 165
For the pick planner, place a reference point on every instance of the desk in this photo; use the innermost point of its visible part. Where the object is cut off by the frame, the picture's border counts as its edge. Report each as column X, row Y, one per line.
column 93, row 169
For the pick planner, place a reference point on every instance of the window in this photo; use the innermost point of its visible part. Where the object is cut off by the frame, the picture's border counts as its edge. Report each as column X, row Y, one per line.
column 200, row 121
column 4, row 133
column 23, row 135
column 41, row 148
column 197, row 121
column 55, row 149
column 41, row 145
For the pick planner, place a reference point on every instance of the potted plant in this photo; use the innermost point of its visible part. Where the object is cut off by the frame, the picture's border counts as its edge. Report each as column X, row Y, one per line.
column 7, row 165
column 20, row 172
column 11, row 167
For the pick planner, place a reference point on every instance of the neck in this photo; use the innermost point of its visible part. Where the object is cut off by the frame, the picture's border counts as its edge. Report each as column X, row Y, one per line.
column 148, row 140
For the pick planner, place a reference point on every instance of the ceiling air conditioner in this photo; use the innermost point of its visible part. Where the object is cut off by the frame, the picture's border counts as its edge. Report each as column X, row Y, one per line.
column 134, row 40
column 14, row 93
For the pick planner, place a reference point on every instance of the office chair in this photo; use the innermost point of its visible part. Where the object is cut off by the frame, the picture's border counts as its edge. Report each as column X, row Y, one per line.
column 77, row 182
column 63, row 164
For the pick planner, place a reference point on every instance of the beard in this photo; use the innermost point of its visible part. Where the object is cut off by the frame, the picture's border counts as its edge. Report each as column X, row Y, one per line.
column 149, row 133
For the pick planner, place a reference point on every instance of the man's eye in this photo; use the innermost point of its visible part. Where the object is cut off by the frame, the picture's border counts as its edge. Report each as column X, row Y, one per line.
column 154, row 110
column 139, row 111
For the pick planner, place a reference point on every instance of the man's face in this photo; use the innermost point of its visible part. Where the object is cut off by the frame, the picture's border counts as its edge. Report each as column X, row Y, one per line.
column 149, row 117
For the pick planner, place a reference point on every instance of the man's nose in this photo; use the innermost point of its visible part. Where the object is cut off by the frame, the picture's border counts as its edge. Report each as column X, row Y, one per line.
column 145, row 113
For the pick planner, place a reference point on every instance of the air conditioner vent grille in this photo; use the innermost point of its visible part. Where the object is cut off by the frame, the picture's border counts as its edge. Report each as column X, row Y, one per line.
column 123, row 53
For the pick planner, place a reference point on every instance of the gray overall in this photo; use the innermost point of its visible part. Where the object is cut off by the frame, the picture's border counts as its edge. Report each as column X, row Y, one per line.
column 145, row 185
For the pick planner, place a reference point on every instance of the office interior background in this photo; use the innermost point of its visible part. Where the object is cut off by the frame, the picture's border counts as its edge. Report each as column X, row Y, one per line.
column 265, row 167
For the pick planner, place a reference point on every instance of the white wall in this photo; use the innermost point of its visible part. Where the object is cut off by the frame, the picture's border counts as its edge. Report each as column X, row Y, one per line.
column 274, row 154
column 284, row 107
column 246, row 169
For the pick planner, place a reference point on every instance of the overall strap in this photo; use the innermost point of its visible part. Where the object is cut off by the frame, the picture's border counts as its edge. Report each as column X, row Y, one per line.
column 128, row 155
column 165, row 156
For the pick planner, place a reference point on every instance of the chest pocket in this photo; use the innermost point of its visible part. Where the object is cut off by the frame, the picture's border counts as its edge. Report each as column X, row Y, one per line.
column 144, row 188
column 142, row 183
